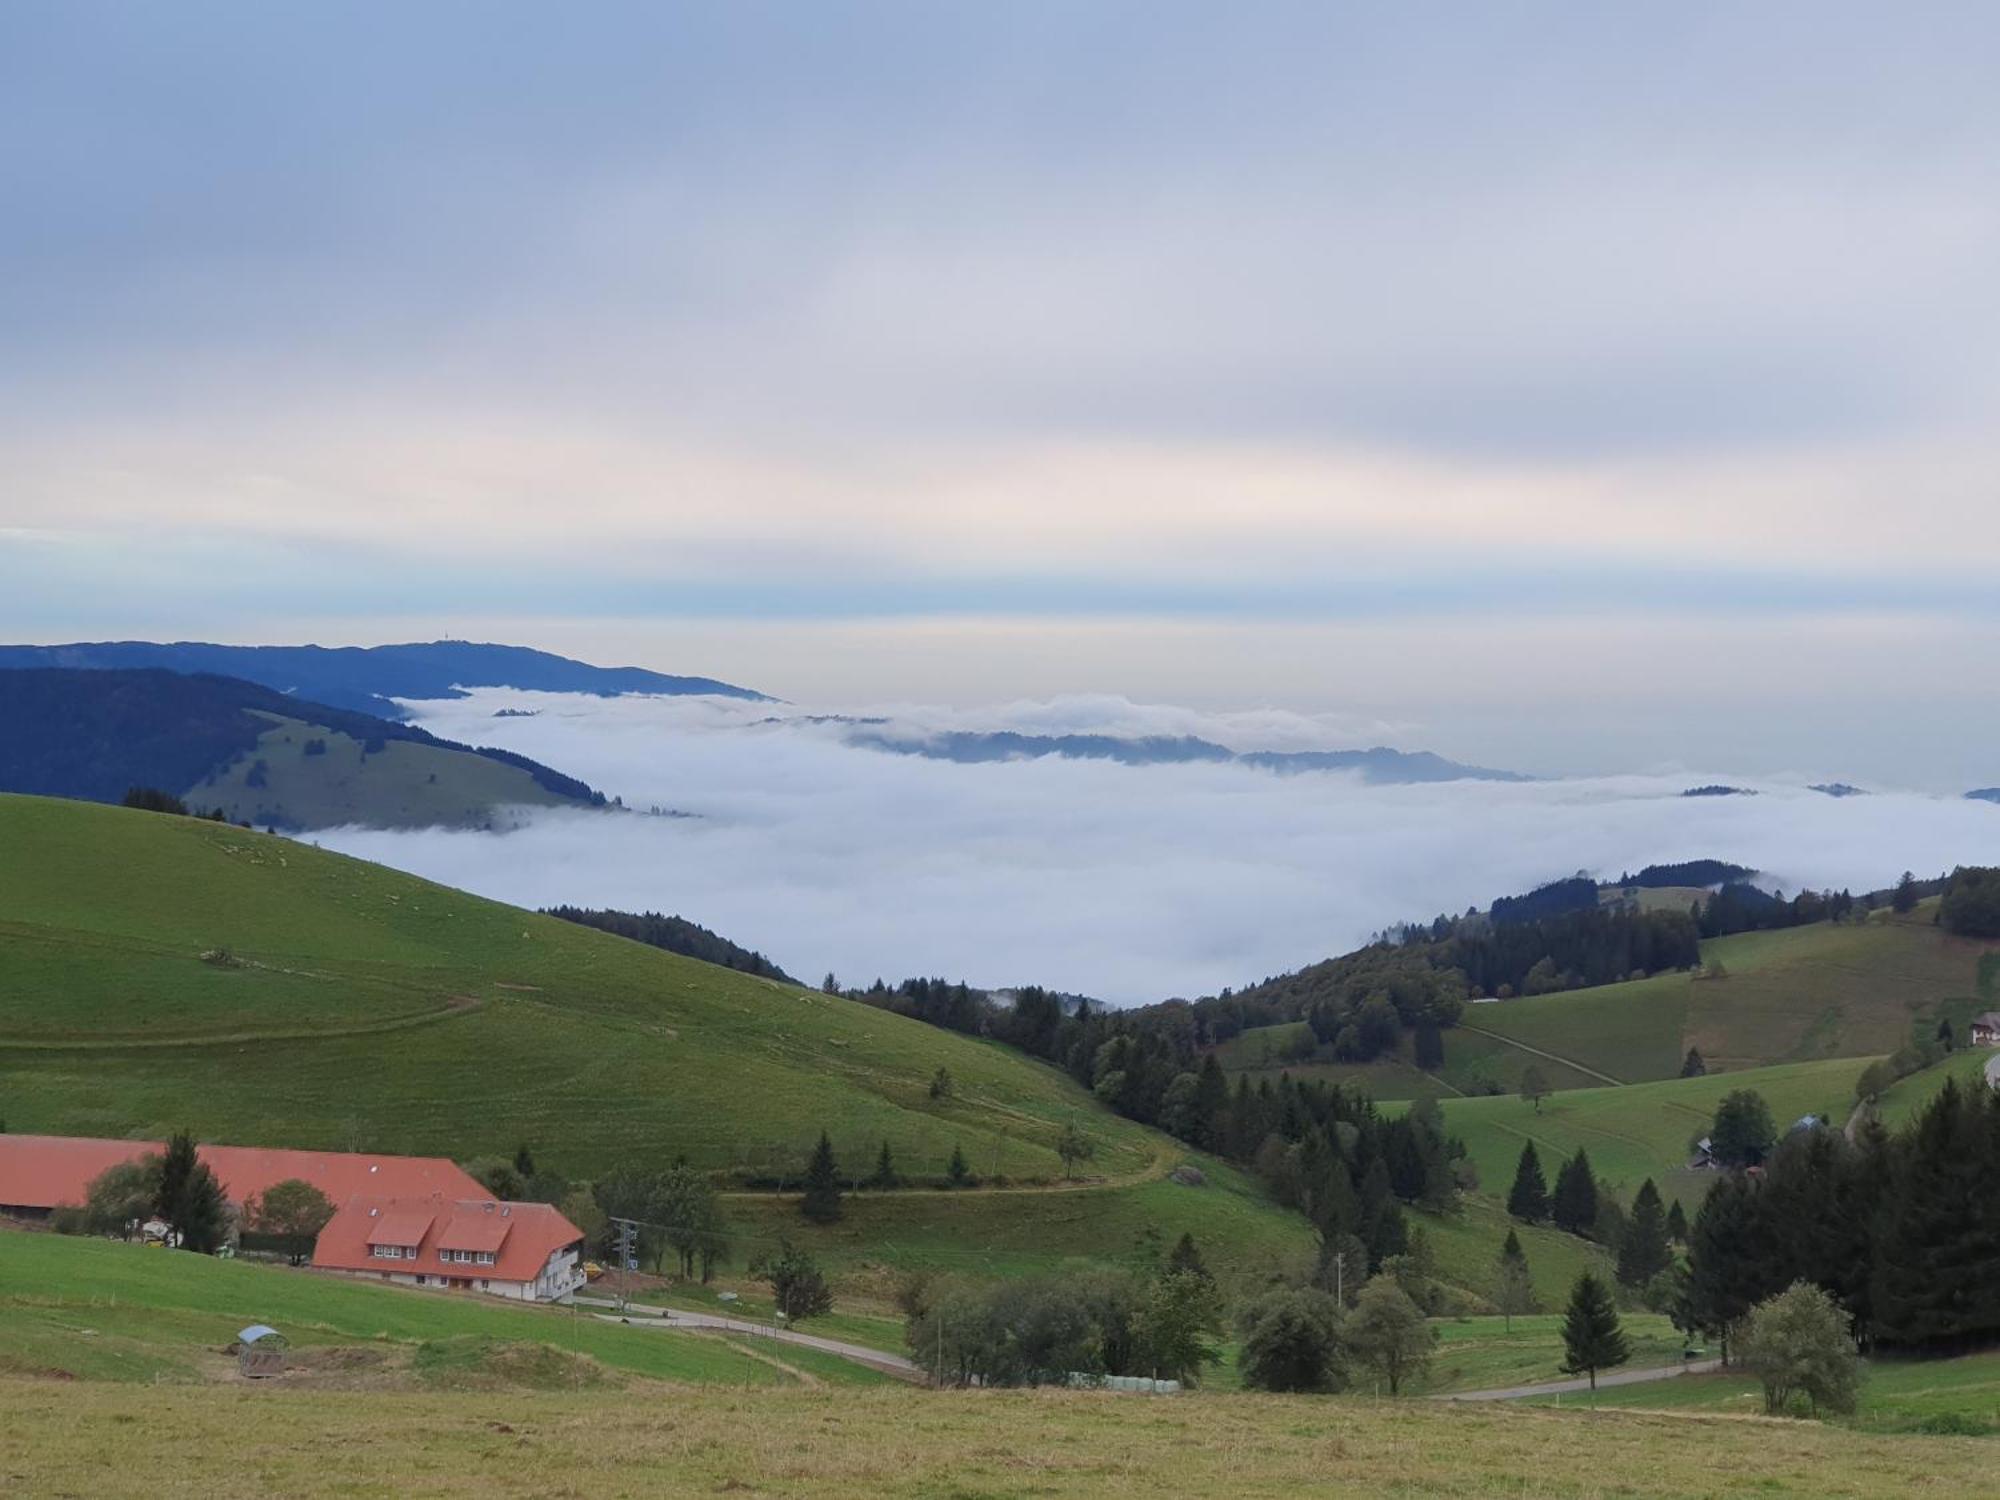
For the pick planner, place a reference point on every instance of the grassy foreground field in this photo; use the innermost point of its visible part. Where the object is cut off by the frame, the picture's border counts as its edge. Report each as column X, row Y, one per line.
column 87, row 1440
column 159, row 973
column 98, row 1310
column 1960, row 1394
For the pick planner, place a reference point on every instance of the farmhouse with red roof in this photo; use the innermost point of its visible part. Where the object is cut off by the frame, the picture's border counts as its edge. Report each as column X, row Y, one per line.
column 524, row 1250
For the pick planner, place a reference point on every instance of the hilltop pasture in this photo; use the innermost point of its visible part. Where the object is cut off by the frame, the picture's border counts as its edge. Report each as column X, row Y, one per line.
column 162, row 973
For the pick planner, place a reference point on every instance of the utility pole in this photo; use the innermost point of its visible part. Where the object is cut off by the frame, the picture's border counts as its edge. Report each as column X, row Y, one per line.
column 628, row 1256
column 1340, row 1277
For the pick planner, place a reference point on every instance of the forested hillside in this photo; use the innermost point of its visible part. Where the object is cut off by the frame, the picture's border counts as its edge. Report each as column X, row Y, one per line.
column 260, row 755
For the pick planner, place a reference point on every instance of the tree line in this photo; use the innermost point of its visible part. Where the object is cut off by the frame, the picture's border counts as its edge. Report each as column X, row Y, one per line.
column 1902, row 1231
column 675, row 935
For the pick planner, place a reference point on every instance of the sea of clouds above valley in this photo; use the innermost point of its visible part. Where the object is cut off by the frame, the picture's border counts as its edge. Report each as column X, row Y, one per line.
column 1127, row 883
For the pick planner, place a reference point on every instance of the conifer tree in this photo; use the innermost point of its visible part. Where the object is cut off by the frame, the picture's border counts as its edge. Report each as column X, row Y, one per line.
column 189, row 1199
column 1528, row 1200
column 1186, row 1256
column 1940, row 1232
column 821, row 1203
column 1573, row 1205
column 1380, row 1216
column 1592, row 1338
column 1211, row 1103
column 956, row 1170
column 1643, row 1250
column 885, row 1169
column 1732, row 1257
column 1677, row 1223
column 1693, row 1066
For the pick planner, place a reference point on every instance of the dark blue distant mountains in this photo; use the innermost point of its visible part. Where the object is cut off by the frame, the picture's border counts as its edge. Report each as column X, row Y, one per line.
column 366, row 678
column 1985, row 794
column 969, row 747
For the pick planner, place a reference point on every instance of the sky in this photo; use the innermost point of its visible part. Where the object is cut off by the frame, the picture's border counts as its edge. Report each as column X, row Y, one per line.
column 1129, row 884
column 1587, row 390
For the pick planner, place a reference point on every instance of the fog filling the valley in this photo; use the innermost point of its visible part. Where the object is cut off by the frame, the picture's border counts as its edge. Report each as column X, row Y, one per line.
column 1126, row 883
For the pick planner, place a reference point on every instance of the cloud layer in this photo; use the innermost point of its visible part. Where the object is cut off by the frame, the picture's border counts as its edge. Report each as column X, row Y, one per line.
column 1131, row 884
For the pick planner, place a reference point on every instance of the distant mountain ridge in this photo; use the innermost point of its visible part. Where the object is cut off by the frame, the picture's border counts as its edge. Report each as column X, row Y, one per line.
column 978, row 747
column 367, row 678
column 260, row 755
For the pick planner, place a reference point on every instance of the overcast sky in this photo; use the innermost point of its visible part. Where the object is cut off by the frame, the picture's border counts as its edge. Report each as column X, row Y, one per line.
column 1566, row 387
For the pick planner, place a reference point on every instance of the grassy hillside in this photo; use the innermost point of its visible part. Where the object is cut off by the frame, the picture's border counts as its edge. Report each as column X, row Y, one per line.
column 263, row 756
column 1827, row 990
column 99, row 1310
column 1639, row 1130
column 229, row 1442
column 1795, row 995
column 160, row 972
column 400, row 784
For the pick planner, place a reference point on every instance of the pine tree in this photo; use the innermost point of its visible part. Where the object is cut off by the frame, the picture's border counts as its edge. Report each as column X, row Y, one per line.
column 1936, row 1248
column 1733, row 1259
column 190, row 1200
column 1677, row 1223
column 1573, row 1205
column 1211, row 1105
column 1643, row 1250
column 1429, row 1045
column 1513, row 1287
column 1694, row 1066
column 956, row 1170
column 1379, row 1217
column 885, row 1169
column 524, row 1161
column 1592, row 1338
column 821, row 1203
column 1528, row 1201
column 1186, row 1256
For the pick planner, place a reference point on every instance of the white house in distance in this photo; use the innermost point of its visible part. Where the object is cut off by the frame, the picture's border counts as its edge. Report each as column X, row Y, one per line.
column 1986, row 1029
column 527, row 1251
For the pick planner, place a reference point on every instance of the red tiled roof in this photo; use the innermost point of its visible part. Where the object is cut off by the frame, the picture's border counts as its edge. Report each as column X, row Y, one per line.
column 527, row 1235
column 465, row 1232
column 401, row 1228
column 49, row 1171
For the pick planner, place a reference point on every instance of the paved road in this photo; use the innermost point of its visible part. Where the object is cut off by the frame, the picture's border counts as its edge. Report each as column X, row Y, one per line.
column 669, row 1317
column 1565, row 1387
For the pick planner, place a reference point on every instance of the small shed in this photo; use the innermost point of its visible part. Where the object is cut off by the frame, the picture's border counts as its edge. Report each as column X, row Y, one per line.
column 260, row 1351
column 1986, row 1029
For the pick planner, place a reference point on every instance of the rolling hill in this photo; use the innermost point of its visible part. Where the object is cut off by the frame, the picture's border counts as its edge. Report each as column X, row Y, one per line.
column 1828, row 990
column 159, row 973
column 260, row 756
column 366, row 679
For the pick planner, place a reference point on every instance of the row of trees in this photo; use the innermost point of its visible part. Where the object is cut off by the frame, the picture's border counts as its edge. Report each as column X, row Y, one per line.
column 1048, row 1330
column 178, row 1191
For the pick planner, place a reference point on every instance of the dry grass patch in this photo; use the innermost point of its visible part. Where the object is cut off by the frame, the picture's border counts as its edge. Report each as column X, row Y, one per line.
column 81, row 1439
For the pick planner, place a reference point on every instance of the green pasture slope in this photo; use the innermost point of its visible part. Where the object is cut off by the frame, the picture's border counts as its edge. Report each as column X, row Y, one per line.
column 1801, row 994
column 160, row 972
column 403, row 784
column 100, row 1310
column 1638, row 1130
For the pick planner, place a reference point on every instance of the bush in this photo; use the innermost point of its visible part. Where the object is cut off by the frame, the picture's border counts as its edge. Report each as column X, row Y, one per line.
column 1291, row 1342
column 1797, row 1344
column 798, row 1286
